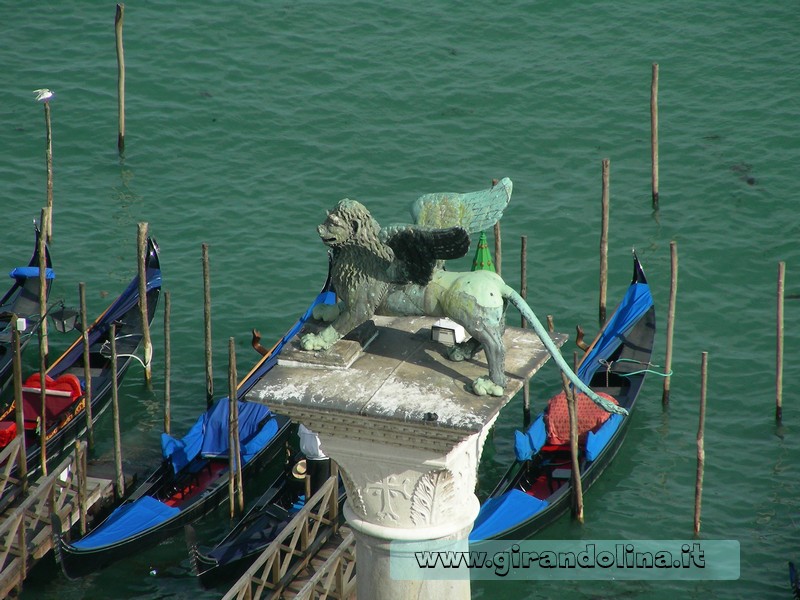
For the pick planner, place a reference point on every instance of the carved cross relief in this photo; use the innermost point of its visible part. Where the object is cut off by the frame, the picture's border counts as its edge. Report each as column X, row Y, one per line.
column 388, row 489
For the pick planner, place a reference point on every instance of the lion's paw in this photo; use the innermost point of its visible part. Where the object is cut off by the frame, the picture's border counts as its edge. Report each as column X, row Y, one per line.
column 483, row 386
column 456, row 353
column 312, row 341
column 325, row 312
column 464, row 350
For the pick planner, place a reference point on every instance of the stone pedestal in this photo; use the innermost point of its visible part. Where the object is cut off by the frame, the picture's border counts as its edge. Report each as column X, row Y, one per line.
column 406, row 431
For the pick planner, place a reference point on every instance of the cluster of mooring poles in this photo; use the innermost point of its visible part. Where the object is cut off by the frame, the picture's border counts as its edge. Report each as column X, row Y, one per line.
column 43, row 367
column 44, row 96
column 665, row 398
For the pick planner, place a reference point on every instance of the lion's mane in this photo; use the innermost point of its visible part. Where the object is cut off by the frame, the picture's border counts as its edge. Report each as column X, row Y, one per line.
column 361, row 261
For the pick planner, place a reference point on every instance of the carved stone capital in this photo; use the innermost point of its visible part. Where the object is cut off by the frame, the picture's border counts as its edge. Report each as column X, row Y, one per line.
column 423, row 492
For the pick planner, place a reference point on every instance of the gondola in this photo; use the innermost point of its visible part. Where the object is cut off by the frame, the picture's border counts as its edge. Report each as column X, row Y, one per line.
column 262, row 523
column 22, row 300
column 65, row 402
column 192, row 479
column 537, row 488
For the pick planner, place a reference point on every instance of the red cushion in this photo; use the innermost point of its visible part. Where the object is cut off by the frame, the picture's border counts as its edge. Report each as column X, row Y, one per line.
column 55, row 403
column 590, row 417
column 8, row 431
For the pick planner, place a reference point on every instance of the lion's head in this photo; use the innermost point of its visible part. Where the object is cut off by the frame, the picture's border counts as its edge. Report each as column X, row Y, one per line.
column 349, row 224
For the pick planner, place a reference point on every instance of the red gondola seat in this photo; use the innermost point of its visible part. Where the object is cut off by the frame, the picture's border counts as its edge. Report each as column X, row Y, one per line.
column 62, row 393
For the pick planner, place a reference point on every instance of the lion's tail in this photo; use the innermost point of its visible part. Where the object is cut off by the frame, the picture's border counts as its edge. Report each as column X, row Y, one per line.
column 526, row 311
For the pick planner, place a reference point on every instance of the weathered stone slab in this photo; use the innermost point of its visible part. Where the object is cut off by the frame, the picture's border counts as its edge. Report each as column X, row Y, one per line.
column 341, row 356
column 401, row 387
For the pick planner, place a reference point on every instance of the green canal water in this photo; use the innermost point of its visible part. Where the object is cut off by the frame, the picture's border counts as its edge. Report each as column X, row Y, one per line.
column 246, row 120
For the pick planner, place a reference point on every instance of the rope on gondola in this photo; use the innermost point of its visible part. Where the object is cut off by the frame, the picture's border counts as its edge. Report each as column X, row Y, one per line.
column 608, row 366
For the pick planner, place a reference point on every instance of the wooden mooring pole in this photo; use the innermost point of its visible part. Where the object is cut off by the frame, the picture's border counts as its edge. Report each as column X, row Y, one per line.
column 779, row 346
column 237, row 448
column 523, row 274
column 654, row 133
column 119, row 482
column 231, row 454
column 498, row 244
column 16, row 365
column 43, row 345
column 701, row 453
column 167, row 362
column 604, row 201
column 80, row 479
column 673, row 295
column 44, row 350
column 577, row 485
column 572, row 407
column 235, row 486
column 207, row 326
column 87, row 367
column 47, row 224
column 118, row 21
column 147, row 344
column 44, row 95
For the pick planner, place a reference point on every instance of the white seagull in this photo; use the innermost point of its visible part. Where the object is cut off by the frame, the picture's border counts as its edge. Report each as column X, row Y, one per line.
column 43, row 95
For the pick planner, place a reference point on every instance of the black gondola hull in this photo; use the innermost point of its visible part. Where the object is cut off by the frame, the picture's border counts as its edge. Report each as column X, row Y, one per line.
column 71, row 424
column 635, row 347
column 77, row 562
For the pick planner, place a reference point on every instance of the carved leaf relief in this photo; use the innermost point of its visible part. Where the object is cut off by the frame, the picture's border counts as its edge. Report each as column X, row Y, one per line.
column 434, row 497
column 354, row 496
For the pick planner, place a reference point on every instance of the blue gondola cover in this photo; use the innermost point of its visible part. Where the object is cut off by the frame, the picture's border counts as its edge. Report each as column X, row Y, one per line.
column 597, row 440
column 29, row 272
column 636, row 302
column 507, row 510
column 127, row 521
column 529, row 443
column 208, row 437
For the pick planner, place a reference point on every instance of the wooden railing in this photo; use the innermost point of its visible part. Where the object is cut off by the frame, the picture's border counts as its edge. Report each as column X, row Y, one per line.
column 336, row 578
column 9, row 459
column 25, row 532
column 294, row 548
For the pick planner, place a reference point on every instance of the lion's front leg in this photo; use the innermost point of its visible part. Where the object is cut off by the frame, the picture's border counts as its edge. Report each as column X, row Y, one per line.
column 355, row 310
column 328, row 336
column 325, row 339
column 464, row 350
column 491, row 339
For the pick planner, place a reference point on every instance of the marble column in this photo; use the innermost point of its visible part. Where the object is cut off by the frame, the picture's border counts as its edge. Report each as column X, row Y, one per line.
column 407, row 433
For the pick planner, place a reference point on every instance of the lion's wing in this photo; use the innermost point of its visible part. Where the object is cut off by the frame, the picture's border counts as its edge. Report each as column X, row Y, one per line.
column 416, row 251
column 474, row 211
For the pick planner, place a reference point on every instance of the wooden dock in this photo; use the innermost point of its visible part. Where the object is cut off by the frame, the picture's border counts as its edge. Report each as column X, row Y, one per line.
column 25, row 528
column 313, row 557
column 330, row 573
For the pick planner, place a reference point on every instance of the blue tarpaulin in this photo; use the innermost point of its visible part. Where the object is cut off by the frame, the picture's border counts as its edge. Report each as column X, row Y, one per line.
column 596, row 441
column 126, row 521
column 636, row 302
column 507, row 510
column 529, row 443
column 208, row 437
column 30, row 272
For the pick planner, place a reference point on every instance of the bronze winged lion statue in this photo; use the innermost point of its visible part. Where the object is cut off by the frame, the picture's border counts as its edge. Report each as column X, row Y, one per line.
column 398, row 271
